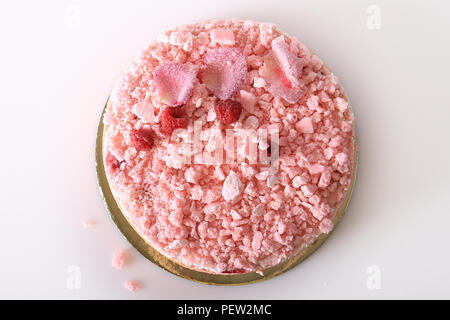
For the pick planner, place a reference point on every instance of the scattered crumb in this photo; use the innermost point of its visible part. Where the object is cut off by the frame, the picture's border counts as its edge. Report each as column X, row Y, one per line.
column 118, row 259
column 131, row 285
column 87, row 224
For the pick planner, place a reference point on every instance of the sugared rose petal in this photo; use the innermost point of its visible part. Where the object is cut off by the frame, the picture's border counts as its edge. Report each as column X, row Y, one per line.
column 225, row 72
column 281, row 69
column 174, row 83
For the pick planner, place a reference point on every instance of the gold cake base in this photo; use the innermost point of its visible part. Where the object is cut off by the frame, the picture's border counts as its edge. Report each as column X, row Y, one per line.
column 164, row 262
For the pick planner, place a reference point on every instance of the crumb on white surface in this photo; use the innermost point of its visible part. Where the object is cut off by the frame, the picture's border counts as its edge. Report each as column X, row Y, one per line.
column 118, row 259
column 131, row 285
column 87, row 224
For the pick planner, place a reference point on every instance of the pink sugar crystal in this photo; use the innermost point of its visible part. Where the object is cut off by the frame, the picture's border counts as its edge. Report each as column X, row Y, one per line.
column 341, row 104
column 305, row 125
column 118, row 259
column 259, row 82
column 308, row 189
column 312, row 102
column 256, row 242
column 191, row 175
column 316, row 168
column 131, row 285
column 248, row 101
column 266, row 31
column 176, row 218
column 328, row 152
column 232, row 186
column 325, row 178
column 290, row 63
column 341, row 158
column 174, row 83
column 225, row 71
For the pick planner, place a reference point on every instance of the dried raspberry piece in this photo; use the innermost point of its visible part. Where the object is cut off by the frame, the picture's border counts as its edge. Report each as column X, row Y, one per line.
column 142, row 139
column 228, row 111
column 112, row 164
column 172, row 118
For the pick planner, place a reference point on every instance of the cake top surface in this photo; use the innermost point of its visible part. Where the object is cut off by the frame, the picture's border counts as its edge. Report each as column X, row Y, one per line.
column 229, row 145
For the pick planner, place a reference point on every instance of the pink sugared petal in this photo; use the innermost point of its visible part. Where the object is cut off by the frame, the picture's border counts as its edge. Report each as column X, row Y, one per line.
column 174, row 83
column 281, row 69
column 225, row 71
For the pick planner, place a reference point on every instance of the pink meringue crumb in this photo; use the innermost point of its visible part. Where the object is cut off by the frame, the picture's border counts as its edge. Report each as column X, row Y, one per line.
column 229, row 217
column 305, row 125
column 222, row 36
column 118, row 259
column 131, row 285
column 326, row 225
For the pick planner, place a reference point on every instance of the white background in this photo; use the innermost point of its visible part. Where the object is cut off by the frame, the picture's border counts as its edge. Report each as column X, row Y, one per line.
column 55, row 76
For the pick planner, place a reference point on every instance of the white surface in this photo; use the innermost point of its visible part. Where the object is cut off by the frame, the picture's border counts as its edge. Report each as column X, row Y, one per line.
column 55, row 79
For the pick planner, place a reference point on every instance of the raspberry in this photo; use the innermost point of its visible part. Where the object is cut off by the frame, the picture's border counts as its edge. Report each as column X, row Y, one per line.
column 172, row 118
column 228, row 111
column 112, row 164
column 142, row 139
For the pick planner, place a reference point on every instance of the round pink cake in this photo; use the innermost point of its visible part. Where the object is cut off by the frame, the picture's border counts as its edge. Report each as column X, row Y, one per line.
column 229, row 146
